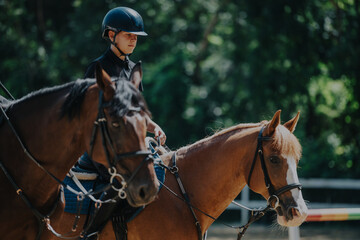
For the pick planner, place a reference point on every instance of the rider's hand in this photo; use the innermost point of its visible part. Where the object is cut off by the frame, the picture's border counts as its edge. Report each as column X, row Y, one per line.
column 160, row 135
column 156, row 130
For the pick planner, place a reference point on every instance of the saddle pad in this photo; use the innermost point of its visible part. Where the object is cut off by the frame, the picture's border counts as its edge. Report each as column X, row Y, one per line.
column 71, row 202
column 159, row 170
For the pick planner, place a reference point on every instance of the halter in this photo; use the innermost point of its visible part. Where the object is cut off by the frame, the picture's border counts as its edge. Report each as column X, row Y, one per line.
column 274, row 194
column 107, row 143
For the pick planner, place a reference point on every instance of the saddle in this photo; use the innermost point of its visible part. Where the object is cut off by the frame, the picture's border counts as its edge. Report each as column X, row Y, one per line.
column 91, row 178
column 86, row 173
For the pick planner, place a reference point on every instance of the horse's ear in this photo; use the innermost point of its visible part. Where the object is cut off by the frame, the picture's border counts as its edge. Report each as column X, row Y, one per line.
column 104, row 82
column 291, row 124
column 136, row 75
column 270, row 129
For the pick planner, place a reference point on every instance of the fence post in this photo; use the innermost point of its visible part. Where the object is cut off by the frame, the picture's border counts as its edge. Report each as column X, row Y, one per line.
column 294, row 233
column 245, row 200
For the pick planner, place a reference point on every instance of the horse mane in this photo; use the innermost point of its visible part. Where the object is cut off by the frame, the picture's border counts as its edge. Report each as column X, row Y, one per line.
column 223, row 133
column 7, row 103
column 75, row 98
column 283, row 141
column 125, row 98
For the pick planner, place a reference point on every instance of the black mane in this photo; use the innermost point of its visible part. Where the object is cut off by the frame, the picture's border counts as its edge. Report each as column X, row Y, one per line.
column 126, row 97
column 35, row 94
column 74, row 100
column 7, row 103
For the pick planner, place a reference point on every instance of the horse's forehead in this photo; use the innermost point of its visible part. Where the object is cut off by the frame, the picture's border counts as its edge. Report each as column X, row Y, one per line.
column 137, row 123
column 286, row 144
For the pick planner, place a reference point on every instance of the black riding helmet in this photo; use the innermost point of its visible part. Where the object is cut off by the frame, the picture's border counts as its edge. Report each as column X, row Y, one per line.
column 123, row 19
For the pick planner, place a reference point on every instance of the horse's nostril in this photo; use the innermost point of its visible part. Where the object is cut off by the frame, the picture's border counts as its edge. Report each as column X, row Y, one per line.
column 292, row 212
column 295, row 212
column 142, row 193
column 279, row 211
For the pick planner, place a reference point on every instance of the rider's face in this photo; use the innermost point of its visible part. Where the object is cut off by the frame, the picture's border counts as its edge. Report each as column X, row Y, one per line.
column 125, row 41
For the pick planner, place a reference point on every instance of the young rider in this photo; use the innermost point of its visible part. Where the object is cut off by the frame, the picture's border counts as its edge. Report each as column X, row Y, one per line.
column 121, row 27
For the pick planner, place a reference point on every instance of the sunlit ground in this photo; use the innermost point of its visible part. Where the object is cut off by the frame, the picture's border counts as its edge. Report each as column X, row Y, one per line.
column 309, row 231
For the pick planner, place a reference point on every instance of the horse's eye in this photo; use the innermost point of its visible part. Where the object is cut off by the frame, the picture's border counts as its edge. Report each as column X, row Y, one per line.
column 115, row 124
column 274, row 160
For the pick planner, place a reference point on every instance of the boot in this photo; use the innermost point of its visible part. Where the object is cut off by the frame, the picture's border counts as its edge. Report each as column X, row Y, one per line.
column 100, row 217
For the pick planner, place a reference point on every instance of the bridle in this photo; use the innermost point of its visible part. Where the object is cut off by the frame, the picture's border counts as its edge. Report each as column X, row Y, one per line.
column 101, row 123
column 274, row 194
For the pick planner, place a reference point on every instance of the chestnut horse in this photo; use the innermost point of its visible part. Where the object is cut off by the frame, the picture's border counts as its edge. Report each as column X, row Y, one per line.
column 213, row 172
column 48, row 130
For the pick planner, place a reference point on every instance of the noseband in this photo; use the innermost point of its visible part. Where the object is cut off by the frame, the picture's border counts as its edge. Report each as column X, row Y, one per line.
column 107, row 143
column 274, row 194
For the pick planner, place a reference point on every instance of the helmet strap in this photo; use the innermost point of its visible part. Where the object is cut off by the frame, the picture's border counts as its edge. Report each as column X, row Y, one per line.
column 121, row 52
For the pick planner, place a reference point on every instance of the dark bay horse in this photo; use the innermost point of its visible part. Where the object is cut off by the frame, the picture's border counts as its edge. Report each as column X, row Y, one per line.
column 56, row 126
column 215, row 170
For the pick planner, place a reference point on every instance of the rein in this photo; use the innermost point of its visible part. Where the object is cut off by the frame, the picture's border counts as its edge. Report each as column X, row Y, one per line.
column 42, row 219
column 106, row 140
column 255, row 213
column 6, row 91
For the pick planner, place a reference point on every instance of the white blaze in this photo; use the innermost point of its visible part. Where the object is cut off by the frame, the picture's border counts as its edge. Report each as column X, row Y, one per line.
column 292, row 177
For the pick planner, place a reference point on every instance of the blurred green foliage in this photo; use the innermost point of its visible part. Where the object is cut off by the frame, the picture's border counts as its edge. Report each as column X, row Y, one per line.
column 211, row 64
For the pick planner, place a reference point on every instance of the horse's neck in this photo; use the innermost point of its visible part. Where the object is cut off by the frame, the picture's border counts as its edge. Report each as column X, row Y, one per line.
column 213, row 170
column 53, row 141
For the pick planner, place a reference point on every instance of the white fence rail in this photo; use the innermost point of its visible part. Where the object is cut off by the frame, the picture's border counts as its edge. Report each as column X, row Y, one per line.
column 312, row 183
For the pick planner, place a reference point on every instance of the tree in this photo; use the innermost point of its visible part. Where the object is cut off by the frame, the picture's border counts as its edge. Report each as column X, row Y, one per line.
column 211, row 64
